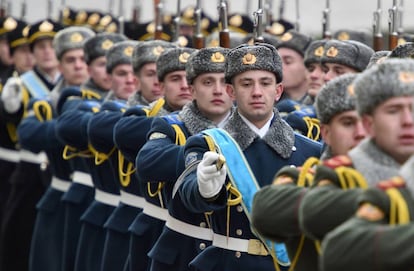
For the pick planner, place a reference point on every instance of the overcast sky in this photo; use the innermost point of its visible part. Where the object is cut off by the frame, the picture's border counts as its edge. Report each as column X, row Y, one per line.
column 354, row 14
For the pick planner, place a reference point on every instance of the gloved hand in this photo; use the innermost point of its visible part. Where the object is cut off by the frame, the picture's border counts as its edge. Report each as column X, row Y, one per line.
column 210, row 179
column 12, row 95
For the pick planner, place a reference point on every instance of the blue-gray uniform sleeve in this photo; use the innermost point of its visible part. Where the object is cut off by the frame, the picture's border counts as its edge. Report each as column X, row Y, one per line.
column 188, row 189
column 359, row 244
column 130, row 133
column 160, row 158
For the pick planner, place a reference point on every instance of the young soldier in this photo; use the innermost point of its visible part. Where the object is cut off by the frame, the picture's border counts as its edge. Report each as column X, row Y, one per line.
column 274, row 213
column 131, row 134
column 19, row 48
column 341, row 57
column 291, row 49
column 37, row 133
column 185, row 233
column 265, row 142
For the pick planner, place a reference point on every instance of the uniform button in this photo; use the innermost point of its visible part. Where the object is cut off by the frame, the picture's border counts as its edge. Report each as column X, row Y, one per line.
column 203, row 225
column 202, row 246
column 239, row 208
column 239, row 232
column 237, row 254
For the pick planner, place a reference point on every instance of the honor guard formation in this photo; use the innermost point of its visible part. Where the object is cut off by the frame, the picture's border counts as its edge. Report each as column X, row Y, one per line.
column 185, row 143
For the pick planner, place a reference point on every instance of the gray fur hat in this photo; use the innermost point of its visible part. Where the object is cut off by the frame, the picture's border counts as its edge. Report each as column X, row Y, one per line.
column 391, row 78
column 350, row 53
column 148, row 52
column 73, row 37
column 349, row 34
column 98, row 45
column 314, row 52
column 377, row 57
column 120, row 53
column 335, row 98
column 261, row 56
column 174, row 59
column 405, row 50
column 206, row 60
column 296, row 41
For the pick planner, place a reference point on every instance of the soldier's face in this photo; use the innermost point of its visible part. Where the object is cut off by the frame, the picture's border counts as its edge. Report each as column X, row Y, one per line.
column 23, row 59
column 294, row 71
column 176, row 90
column 73, row 67
column 255, row 93
column 314, row 74
column 148, row 82
column 332, row 70
column 97, row 72
column 44, row 55
column 343, row 132
column 124, row 82
column 5, row 56
column 213, row 101
column 391, row 126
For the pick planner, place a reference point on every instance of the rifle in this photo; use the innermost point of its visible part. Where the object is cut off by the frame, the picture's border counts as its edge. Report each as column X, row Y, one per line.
column 297, row 24
column 158, row 19
column 282, row 9
column 392, row 23
column 268, row 13
column 224, row 35
column 198, row 38
column 326, row 32
column 121, row 18
column 400, row 28
column 176, row 22
column 376, row 25
column 3, row 4
column 23, row 11
column 258, row 23
column 136, row 11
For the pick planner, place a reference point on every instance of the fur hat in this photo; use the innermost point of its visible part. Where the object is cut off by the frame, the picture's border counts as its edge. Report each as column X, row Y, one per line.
column 405, row 50
column 358, row 35
column 73, row 37
column 98, row 45
column 377, row 57
column 296, row 41
column 335, row 98
column 148, row 52
column 353, row 54
column 120, row 53
column 260, row 56
column 391, row 78
column 206, row 60
column 174, row 59
column 314, row 52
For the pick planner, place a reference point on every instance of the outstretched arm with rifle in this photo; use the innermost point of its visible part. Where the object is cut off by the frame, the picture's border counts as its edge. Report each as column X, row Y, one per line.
column 224, row 35
column 198, row 38
column 378, row 44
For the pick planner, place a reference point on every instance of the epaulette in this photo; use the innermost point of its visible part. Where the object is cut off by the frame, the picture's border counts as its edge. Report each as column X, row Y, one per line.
column 338, row 161
column 395, row 182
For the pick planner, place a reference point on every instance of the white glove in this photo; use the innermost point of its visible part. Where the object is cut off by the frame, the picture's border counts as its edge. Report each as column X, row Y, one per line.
column 210, row 180
column 12, row 95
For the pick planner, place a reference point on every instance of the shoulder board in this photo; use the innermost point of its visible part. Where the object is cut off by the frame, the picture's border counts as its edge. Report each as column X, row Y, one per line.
column 395, row 182
column 173, row 119
column 338, row 161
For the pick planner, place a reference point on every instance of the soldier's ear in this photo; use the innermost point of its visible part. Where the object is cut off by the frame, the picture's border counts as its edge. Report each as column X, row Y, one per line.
column 230, row 91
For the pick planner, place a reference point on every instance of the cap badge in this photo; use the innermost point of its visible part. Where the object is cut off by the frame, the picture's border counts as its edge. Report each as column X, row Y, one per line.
column 128, row 51
column 10, row 24
column 76, row 37
column 66, row 13
column 343, row 36
column 249, row 59
column 45, row 27
column 189, row 12
column 406, row 77
column 217, row 57
column 182, row 41
column 112, row 28
column 332, row 52
column 93, row 19
column 286, row 37
column 158, row 50
column 236, row 20
column 105, row 20
column 183, row 58
column 25, row 31
column 107, row 44
column 81, row 17
column 205, row 23
column 351, row 90
column 151, row 28
column 277, row 29
column 318, row 51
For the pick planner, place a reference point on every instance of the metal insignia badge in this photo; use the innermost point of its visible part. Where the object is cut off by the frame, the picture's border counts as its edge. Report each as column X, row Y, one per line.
column 157, row 136
column 217, row 57
column 191, row 158
column 183, row 58
column 249, row 59
column 332, row 52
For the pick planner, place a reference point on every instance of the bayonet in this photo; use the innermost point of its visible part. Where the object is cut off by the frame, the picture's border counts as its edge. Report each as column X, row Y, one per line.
column 326, row 28
column 224, row 35
column 198, row 38
column 376, row 26
column 392, row 26
column 176, row 22
column 158, row 19
column 258, row 23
